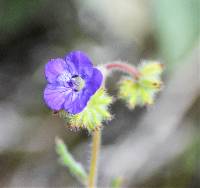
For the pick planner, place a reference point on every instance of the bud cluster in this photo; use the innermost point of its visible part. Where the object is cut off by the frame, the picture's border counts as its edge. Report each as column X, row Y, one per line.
column 141, row 91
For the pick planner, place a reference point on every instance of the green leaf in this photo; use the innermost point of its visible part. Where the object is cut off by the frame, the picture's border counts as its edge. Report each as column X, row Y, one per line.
column 67, row 160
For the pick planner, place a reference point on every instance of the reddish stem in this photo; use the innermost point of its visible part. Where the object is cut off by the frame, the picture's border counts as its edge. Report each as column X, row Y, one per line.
column 125, row 68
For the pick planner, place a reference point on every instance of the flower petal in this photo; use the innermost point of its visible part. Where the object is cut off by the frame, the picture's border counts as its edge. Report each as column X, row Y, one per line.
column 79, row 102
column 94, row 83
column 54, row 96
column 80, row 99
column 53, row 68
column 69, row 99
column 80, row 64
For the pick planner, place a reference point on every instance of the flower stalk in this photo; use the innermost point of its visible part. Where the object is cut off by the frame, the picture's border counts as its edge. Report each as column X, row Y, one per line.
column 96, row 143
column 130, row 69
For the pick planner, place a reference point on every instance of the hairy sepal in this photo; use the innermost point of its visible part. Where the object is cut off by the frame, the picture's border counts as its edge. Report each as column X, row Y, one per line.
column 95, row 113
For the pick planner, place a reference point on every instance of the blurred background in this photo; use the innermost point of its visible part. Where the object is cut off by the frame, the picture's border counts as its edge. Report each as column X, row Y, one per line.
column 152, row 147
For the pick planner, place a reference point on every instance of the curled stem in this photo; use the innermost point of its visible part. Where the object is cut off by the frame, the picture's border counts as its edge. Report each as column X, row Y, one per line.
column 96, row 142
column 130, row 69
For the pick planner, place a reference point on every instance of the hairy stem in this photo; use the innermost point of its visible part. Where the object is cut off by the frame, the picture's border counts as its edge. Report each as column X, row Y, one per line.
column 130, row 69
column 96, row 143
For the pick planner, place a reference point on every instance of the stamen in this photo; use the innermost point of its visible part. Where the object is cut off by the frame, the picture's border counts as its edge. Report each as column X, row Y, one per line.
column 78, row 83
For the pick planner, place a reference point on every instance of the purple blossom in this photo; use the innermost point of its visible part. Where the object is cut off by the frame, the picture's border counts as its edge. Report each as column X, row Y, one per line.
column 71, row 82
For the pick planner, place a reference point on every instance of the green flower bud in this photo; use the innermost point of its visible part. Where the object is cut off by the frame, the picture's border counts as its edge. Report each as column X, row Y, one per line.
column 141, row 91
column 151, row 69
column 93, row 115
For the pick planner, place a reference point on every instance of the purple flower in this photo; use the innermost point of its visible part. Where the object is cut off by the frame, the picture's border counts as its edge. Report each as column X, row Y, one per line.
column 71, row 82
